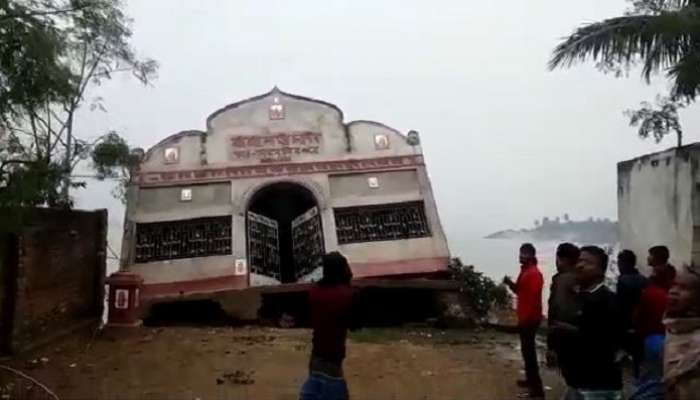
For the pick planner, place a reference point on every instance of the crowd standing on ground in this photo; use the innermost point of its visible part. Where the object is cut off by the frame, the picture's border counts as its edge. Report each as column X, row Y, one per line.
column 592, row 330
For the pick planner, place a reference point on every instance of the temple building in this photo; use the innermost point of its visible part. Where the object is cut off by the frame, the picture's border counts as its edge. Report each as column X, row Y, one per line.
column 271, row 184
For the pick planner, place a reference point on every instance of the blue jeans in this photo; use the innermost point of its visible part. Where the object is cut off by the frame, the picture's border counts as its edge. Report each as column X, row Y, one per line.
column 650, row 384
column 579, row 394
column 323, row 387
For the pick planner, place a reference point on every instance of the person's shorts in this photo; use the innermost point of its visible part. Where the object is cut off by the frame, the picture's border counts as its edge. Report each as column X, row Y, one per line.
column 319, row 386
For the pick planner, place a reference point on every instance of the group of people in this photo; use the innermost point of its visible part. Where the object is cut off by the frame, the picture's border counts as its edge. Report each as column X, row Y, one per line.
column 591, row 329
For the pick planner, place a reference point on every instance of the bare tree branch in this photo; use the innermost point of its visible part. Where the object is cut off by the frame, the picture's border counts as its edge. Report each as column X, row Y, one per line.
column 41, row 13
column 5, row 163
column 32, row 122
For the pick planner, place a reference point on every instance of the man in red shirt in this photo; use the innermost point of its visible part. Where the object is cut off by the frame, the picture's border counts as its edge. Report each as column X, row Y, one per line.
column 650, row 310
column 528, row 291
column 331, row 302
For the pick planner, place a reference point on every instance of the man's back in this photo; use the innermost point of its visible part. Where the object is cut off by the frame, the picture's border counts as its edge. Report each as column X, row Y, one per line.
column 331, row 308
column 563, row 305
column 629, row 289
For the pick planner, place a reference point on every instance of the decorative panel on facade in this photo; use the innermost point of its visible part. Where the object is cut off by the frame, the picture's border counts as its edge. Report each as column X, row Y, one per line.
column 191, row 238
column 381, row 222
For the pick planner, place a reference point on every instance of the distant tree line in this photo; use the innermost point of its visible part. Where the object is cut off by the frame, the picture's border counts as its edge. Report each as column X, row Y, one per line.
column 590, row 230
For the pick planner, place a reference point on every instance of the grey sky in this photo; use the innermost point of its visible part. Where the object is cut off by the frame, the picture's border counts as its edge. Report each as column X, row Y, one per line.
column 506, row 141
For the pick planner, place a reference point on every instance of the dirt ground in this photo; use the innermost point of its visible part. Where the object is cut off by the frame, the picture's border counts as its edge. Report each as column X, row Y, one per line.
column 264, row 363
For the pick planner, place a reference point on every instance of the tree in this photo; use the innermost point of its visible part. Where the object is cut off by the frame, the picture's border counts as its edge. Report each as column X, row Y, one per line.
column 658, row 122
column 91, row 44
column 113, row 158
column 566, row 217
column 663, row 36
column 31, row 45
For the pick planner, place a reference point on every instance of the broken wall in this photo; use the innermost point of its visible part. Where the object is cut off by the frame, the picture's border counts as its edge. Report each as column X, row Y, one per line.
column 57, row 281
column 657, row 195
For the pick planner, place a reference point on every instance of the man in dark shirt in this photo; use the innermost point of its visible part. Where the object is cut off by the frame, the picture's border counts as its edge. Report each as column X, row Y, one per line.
column 331, row 302
column 595, row 338
column 630, row 284
column 563, row 306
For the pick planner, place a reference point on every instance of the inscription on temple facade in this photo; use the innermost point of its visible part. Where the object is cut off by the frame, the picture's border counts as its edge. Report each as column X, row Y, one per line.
column 275, row 148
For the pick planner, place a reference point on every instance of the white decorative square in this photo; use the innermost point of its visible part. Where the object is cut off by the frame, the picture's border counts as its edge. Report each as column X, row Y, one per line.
column 121, row 299
column 241, row 267
column 186, row 195
column 276, row 109
column 381, row 141
column 171, row 155
column 373, row 182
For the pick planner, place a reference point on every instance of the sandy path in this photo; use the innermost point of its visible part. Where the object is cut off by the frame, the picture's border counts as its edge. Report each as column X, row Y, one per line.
column 262, row 363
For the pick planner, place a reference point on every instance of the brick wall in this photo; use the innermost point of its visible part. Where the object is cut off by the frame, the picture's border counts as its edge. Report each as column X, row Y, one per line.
column 60, row 274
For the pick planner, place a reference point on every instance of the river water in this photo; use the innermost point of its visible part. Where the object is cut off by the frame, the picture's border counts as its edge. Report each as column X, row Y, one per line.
column 499, row 257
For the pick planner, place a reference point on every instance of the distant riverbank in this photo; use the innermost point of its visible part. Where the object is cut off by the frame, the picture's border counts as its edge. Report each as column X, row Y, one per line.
column 588, row 231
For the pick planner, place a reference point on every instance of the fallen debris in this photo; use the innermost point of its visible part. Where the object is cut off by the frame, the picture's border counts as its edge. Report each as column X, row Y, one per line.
column 253, row 339
column 237, row 377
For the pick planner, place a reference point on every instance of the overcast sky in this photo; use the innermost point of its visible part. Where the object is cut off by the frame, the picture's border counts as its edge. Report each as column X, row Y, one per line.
column 506, row 141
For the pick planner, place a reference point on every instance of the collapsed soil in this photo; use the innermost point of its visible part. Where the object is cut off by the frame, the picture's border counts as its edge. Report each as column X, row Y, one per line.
column 265, row 363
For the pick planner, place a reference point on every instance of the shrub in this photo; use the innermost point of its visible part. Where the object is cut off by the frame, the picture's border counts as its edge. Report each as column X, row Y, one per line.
column 481, row 291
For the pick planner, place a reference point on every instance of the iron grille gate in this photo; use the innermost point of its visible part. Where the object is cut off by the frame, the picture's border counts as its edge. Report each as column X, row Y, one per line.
column 263, row 246
column 307, row 242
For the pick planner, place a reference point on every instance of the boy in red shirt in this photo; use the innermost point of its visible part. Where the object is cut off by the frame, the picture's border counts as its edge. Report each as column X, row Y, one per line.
column 333, row 313
column 528, row 290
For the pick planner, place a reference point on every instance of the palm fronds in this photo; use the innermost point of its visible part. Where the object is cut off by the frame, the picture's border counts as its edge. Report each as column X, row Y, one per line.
column 668, row 41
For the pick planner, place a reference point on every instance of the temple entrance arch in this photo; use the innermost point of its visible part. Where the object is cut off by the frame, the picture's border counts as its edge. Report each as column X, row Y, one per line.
column 284, row 234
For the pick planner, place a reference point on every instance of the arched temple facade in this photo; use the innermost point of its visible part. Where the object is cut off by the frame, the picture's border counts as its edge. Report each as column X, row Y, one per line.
column 271, row 184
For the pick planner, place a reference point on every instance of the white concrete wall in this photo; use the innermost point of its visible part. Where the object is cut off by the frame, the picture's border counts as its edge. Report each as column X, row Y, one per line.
column 185, row 269
column 656, row 197
column 252, row 118
column 394, row 187
column 362, row 134
column 163, row 203
column 188, row 143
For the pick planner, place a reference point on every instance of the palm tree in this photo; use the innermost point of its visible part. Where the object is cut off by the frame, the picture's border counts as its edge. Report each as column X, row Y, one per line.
column 662, row 35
